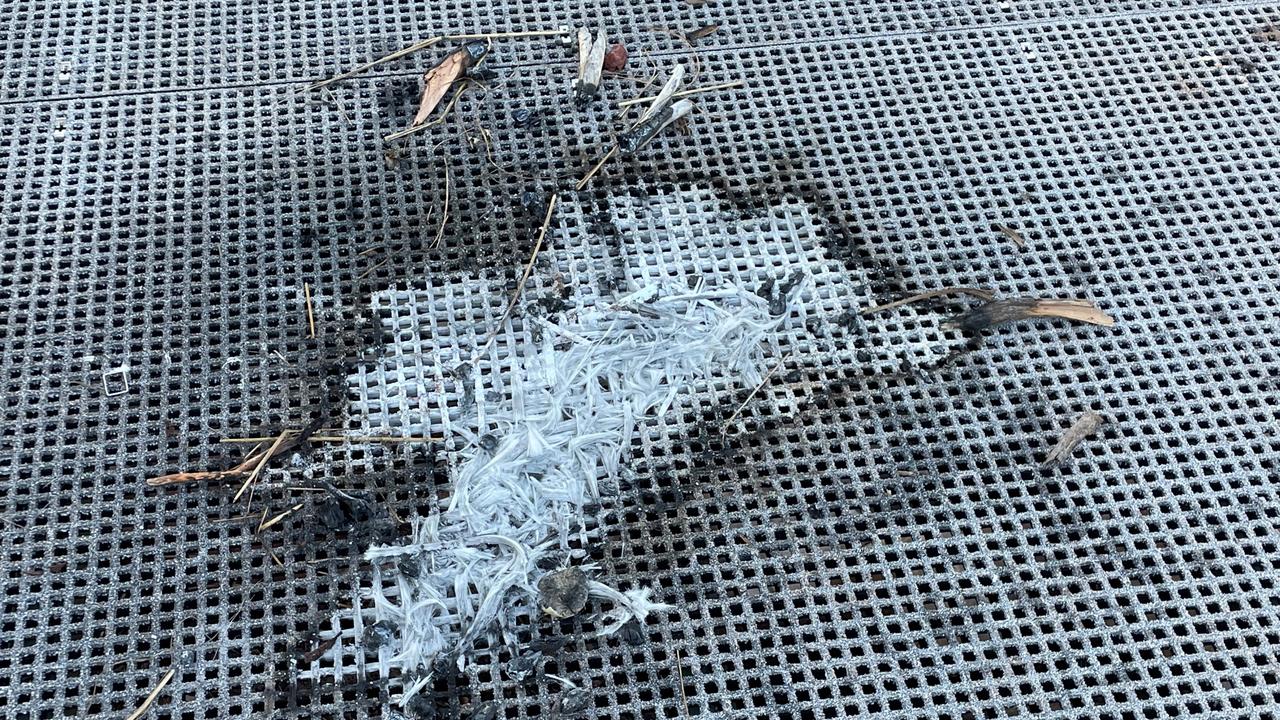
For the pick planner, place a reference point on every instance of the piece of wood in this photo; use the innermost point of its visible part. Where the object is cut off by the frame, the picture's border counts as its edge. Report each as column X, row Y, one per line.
column 1083, row 427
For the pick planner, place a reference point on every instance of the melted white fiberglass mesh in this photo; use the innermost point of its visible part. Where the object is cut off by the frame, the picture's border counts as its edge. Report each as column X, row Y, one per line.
column 618, row 326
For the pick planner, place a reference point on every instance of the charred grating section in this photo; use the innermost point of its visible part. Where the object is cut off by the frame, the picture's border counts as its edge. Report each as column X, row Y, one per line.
column 888, row 549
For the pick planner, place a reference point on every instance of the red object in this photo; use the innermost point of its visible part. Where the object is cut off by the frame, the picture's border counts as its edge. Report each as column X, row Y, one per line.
column 616, row 58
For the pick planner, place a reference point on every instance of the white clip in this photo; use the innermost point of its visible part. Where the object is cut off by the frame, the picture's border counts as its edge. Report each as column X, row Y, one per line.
column 123, row 371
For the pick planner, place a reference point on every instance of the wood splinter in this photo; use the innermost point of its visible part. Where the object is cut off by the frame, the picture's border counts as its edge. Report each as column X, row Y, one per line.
column 1083, row 427
column 1006, row 310
column 590, row 65
column 155, row 693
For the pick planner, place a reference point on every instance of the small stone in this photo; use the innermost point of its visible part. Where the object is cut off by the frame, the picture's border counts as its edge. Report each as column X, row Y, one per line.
column 616, row 58
column 379, row 635
column 563, row 593
column 533, row 203
column 574, row 702
column 524, row 117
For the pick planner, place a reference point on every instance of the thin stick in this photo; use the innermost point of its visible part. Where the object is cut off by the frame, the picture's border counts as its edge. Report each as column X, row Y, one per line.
column 258, row 468
column 976, row 292
column 311, row 317
column 343, row 438
column 542, row 233
column 684, row 93
column 278, row 518
column 444, row 218
column 422, row 45
column 369, row 272
column 680, row 674
column 725, row 428
column 587, row 178
column 237, row 518
column 142, row 709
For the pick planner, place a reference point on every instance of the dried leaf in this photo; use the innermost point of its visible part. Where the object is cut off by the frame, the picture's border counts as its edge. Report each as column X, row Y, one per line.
column 1011, row 309
column 1083, row 427
column 704, row 31
column 438, row 80
column 1012, row 234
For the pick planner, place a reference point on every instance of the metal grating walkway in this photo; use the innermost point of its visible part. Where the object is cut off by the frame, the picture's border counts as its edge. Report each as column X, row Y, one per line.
column 879, row 542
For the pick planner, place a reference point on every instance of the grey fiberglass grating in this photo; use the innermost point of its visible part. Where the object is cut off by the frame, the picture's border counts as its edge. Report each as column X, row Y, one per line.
column 891, row 552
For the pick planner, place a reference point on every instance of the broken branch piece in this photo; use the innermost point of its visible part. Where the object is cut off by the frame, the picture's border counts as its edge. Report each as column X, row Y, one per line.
column 1083, row 427
column 1011, row 309
column 641, row 134
column 590, row 65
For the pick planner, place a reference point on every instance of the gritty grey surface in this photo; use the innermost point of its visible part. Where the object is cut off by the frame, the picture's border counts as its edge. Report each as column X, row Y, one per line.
column 886, row 547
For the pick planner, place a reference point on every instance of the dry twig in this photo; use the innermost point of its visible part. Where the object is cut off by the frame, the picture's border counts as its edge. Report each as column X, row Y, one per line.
column 443, row 115
column 684, row 700
column 257, row 469
column 423, row 45
column 976, row 292
column 1012, row 234
column 444, row 218
column 264, row 525
column 311, row 317
column 592, row 173
column 255, row 458
column 340, row 438
column 684, row 93
column 542, row 234
column 155, row 692
column 725, row 428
